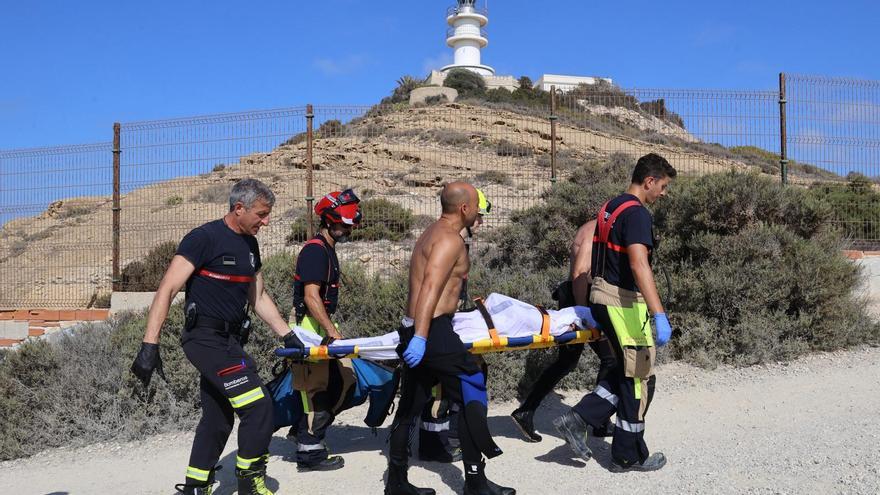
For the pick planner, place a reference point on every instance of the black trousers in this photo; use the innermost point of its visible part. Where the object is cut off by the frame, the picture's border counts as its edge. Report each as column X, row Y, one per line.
column 229, row 385
column 318, row 417
column 448, row 363
column 628, row 397
column 566, row 361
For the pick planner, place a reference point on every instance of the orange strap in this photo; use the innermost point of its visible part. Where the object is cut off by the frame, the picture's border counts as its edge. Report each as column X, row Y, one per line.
column 545, row 324
column 493, row 332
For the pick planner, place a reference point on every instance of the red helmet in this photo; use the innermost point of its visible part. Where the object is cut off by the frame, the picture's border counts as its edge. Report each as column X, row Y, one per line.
column 339, row 207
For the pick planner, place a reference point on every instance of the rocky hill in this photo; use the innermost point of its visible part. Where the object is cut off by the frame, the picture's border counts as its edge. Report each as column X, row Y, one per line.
column 402, row 155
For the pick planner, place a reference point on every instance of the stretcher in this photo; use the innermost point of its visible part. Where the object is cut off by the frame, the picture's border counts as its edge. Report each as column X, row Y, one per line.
column 500, row 323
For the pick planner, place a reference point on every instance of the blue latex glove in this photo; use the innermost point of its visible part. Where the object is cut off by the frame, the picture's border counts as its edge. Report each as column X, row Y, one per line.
column 664, row 330
column 415, row 351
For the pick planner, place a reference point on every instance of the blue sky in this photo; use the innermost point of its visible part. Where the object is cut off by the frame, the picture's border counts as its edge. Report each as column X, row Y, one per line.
column 70, row 69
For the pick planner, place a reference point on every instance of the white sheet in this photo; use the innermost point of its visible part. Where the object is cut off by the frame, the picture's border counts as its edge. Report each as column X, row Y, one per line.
column 512, row 318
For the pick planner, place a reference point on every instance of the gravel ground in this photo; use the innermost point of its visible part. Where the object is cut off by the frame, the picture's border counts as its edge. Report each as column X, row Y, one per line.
column 807, row 426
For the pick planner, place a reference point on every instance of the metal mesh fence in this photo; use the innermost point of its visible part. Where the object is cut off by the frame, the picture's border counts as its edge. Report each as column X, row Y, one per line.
column 834, row 126
column 176, row 174
column 55, row 208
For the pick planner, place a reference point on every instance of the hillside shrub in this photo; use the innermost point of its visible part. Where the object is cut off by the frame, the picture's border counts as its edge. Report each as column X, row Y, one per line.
column 856, row 205
column 145, row 275
column 383, row 219
column 468, row 84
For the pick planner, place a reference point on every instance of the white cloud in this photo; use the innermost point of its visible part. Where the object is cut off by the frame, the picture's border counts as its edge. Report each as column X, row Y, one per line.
column 344, row 65
column 436, row 62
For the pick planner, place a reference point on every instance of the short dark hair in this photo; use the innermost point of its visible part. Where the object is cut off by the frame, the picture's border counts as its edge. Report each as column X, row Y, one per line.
column 652, row 165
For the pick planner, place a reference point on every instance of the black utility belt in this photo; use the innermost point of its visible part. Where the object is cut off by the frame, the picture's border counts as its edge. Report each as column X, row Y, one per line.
column 235, row 328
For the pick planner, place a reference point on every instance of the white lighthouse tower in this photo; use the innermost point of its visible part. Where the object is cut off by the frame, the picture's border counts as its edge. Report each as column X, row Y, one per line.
column 467, row 37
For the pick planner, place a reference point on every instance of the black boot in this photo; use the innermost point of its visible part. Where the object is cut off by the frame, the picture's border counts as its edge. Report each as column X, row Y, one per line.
column 476, row 483
column 399, row 485
column 574, row 431
column 329, row 463
column 191, row 487
column 252, row 481
column 607, row 430
column 524, row 420
column 654, row 462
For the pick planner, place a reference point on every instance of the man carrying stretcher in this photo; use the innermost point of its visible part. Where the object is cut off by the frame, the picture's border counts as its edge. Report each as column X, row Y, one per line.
column 434, row 353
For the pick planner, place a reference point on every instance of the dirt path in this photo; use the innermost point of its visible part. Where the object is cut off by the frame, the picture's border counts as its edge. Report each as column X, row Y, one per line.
column 809, row 426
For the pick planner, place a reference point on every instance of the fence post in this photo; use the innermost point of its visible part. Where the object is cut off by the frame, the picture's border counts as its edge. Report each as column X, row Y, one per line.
column 310, row 193
column 553, row 133
column 117, row 208
column 783, row 139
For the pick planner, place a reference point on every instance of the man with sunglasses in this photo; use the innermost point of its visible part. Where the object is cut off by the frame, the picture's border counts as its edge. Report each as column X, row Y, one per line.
column 438, row 430
column 315, row 298
column 434, row 353
column 623, row 295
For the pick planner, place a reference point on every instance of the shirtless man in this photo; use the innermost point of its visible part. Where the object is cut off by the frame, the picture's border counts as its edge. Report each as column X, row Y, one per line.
column 433, row 352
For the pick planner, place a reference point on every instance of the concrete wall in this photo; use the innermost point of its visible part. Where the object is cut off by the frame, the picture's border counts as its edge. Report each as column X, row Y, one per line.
column 419, row 95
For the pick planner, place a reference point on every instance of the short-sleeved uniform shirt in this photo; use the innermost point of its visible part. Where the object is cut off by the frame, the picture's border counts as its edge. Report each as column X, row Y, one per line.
column 317, row 262
column 633, row 226
column 225, row 263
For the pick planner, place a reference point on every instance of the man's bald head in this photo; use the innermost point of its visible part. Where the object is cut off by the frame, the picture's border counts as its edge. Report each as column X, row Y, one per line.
column 455, row 194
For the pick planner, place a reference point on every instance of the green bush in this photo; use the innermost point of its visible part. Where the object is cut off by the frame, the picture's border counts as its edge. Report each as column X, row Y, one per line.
column 468, row 84
column 856, row 205
column 299, row 230
column 145, row 275
column 755, row 266
column 383, row 219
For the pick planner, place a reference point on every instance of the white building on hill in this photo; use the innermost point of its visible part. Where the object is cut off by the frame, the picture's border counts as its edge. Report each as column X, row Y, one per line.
column 466, row 36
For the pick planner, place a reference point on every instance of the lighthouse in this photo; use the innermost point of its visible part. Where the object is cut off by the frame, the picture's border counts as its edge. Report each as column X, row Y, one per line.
column 467, row 37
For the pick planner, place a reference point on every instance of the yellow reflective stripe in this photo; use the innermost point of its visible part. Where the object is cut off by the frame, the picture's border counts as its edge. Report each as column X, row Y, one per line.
column 305, row 401
column 637, row 384
column 197, row 474
column 242, row 463
column 311, row 324
column 631, row 325
column 247, row 397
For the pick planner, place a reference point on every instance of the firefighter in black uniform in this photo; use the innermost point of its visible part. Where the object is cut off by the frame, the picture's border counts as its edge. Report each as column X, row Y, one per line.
column 219, row 263
column 622, row 297
column 315, row 297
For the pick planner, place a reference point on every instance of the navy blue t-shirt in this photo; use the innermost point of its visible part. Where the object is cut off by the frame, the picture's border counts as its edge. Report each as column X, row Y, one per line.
column 227, row 261
column 317, row 262
column 633, row 226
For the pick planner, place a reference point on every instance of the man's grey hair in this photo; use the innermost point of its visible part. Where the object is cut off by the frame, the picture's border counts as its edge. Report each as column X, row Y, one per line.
column 248, row 191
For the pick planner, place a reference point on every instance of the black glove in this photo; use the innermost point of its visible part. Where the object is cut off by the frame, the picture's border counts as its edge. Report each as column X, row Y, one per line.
column 291, row 341
column 147, row 360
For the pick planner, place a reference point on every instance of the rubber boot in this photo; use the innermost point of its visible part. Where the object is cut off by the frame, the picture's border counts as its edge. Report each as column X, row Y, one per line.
column 252, row 481
column 191, row 488
column 398, row 484
column 654, row 462
column 476, row 483
column 525, row 421
column 574, row 431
